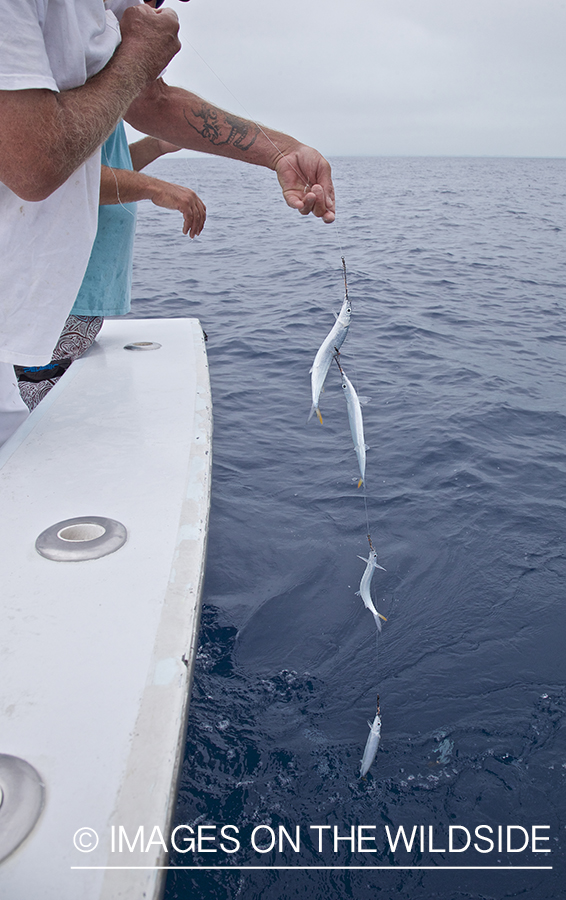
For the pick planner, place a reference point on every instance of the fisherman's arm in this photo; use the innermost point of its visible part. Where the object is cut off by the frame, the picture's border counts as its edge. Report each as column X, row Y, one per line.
column 47, row 135
column 125, row 186
column 176, row 115
column 148, row 149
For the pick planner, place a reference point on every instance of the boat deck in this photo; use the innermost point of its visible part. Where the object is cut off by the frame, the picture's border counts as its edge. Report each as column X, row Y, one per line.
column 96, row 656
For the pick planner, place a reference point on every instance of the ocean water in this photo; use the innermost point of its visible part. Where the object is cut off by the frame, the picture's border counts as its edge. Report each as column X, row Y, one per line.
column 457, row 277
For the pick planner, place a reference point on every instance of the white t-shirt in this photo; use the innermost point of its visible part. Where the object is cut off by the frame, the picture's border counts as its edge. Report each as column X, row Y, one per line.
column 45, row 245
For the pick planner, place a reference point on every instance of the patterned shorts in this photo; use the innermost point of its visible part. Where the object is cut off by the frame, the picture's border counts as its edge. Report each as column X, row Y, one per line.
column 77, row 336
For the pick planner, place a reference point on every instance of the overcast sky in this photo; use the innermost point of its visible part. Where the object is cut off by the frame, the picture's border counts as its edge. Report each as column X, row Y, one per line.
column 385, row 77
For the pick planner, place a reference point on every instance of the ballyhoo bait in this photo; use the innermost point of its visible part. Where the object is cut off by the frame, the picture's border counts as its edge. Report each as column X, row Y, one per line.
column 353, row 403
column 372, row 742
column 364, row 591
column 326, row 352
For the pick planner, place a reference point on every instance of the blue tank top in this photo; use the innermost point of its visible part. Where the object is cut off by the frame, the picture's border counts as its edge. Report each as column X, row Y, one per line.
column 107, row 285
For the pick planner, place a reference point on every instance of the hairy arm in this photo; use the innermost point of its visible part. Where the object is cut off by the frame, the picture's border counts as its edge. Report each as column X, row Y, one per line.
column 176, row 115
column 46, row 136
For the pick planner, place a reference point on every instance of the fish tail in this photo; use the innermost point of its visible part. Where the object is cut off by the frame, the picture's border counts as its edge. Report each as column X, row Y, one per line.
column 382, row 617
column 377, row 622
column 360, row 482
column 318, row 415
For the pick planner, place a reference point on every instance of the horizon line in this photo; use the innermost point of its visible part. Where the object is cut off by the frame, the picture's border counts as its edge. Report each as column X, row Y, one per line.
column 185, row 153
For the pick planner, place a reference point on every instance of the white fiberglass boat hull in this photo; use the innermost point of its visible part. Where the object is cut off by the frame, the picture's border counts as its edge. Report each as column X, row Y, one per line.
column 96, row 656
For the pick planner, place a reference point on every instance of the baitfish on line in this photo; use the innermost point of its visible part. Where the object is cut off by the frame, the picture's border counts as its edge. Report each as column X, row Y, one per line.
column 353, row 402
column 327, row 350
column 364, row 591
column 372, row 742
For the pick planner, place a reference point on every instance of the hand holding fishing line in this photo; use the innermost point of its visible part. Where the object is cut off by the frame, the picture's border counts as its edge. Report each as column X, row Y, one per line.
column 303, row 173
column 306, row 181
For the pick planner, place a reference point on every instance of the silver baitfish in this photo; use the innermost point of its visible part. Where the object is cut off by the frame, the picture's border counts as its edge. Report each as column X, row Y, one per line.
column 364, row 591
column 372, row 742
column 325, row 354
column 356, row 423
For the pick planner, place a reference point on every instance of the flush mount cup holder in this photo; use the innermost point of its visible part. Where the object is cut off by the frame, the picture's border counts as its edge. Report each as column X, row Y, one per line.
column 142, row 345
column 85, row 537
column 22, row 795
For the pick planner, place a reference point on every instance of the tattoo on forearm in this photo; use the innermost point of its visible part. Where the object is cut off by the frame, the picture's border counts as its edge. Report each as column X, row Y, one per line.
column 222, row 128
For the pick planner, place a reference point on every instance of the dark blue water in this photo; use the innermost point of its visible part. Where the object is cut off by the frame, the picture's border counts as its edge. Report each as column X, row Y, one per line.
column 457, row 276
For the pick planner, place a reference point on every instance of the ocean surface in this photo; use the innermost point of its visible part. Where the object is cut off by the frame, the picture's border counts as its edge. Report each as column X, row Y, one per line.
column 457, row 278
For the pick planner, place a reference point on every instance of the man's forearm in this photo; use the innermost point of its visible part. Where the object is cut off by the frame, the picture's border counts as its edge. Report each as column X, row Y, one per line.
column 124, row 186
column 176, row 115
column 49, row 135
column 46, row 136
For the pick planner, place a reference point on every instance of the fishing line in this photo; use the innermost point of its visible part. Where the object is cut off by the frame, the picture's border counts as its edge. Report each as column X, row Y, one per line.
column 307, row 186
column 368, row 529
column 108, row 166
column 368, row 532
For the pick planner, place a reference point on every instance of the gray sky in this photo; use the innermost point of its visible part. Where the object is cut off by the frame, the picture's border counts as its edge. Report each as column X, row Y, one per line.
column 385, row 77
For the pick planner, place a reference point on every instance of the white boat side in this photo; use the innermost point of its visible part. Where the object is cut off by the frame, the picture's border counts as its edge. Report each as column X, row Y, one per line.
column 96, row 656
